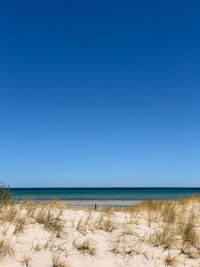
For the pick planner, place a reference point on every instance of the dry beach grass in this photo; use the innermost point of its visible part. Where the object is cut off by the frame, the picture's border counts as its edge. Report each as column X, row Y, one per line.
column 153, row 233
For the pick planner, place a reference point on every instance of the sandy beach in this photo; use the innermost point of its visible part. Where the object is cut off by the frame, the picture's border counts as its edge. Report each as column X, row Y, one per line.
column 55, row 235
column 102, row 203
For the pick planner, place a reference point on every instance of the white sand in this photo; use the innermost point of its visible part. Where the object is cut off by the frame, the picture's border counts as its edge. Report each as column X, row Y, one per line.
column 34, row 235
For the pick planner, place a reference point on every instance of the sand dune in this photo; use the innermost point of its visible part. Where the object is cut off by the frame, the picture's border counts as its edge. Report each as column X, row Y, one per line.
column 148, row 234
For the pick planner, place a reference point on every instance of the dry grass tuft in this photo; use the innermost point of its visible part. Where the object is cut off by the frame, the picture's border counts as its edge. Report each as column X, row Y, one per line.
column 169, row 213
column 57, row 261
column 84, row 224
column 36, row 247
column 56, row 245
column 105, row 223
column 9, row 213
column 126, row 227
column 124, row 246
column 26, row 260
column 152, row 205
column 164, row 237
column 187, row 231
column 189, row 200
column 171, row 260
column 6, row 249
column 86, row 247
column 55, row 204
column 51, row 222
column 20, row 225
column 30, row 206
column 107, row 211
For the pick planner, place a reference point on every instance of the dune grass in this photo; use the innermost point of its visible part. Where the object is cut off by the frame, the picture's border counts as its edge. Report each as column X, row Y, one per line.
column 20, row 225
column 5, row 195
column 26, row 260
column 165, row 237
column 105, row 223
column 171, row 260
column 86, row 247
column 6, row 248
column 121, row 245
column 51, row 221
column 57, row 260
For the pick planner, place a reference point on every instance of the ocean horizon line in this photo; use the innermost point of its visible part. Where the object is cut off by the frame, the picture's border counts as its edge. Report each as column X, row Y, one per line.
column 124, row 187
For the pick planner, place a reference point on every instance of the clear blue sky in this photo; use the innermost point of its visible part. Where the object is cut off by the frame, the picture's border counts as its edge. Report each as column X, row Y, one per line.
column 100, row 93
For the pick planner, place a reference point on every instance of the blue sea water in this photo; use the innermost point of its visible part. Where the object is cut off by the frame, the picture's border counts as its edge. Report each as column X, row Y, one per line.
column 103, row 194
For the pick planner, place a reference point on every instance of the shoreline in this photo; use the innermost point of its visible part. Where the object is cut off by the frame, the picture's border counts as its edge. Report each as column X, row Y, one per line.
column 102, row 203
column 91, row 203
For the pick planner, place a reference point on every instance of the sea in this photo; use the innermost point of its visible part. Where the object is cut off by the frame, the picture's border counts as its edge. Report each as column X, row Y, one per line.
column 103, row 194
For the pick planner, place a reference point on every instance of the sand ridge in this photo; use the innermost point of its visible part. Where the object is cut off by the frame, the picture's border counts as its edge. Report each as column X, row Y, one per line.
column 53, row 235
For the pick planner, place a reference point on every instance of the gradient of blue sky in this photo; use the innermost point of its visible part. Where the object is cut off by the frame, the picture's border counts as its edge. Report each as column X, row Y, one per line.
column 100, row 93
